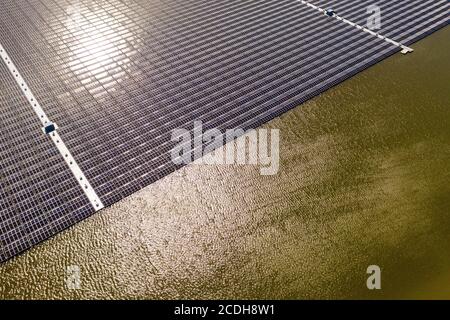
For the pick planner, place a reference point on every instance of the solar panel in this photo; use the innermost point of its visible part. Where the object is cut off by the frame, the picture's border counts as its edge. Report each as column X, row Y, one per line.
column 38, row 194
column 118, row 76
column 404, row 21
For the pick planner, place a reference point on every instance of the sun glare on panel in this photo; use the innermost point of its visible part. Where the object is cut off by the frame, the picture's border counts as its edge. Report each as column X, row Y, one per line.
column 99, row 41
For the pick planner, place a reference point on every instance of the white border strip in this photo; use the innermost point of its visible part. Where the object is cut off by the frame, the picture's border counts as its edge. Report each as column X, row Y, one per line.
column 62, row 148
column 405, row 49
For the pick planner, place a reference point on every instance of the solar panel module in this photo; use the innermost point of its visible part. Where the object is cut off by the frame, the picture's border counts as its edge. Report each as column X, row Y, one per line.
column 117, row 76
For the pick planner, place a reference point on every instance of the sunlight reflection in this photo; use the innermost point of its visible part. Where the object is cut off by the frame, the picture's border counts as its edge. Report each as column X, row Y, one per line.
column 99, row 42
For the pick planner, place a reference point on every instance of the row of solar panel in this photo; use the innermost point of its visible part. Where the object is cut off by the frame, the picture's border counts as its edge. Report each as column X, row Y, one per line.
column 37, row 194
column 402, row 20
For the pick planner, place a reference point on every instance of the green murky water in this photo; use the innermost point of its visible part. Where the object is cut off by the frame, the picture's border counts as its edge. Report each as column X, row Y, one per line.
column 364, row 179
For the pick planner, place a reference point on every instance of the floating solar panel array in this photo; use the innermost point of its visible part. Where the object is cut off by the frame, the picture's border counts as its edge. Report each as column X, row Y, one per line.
column 117, row 76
